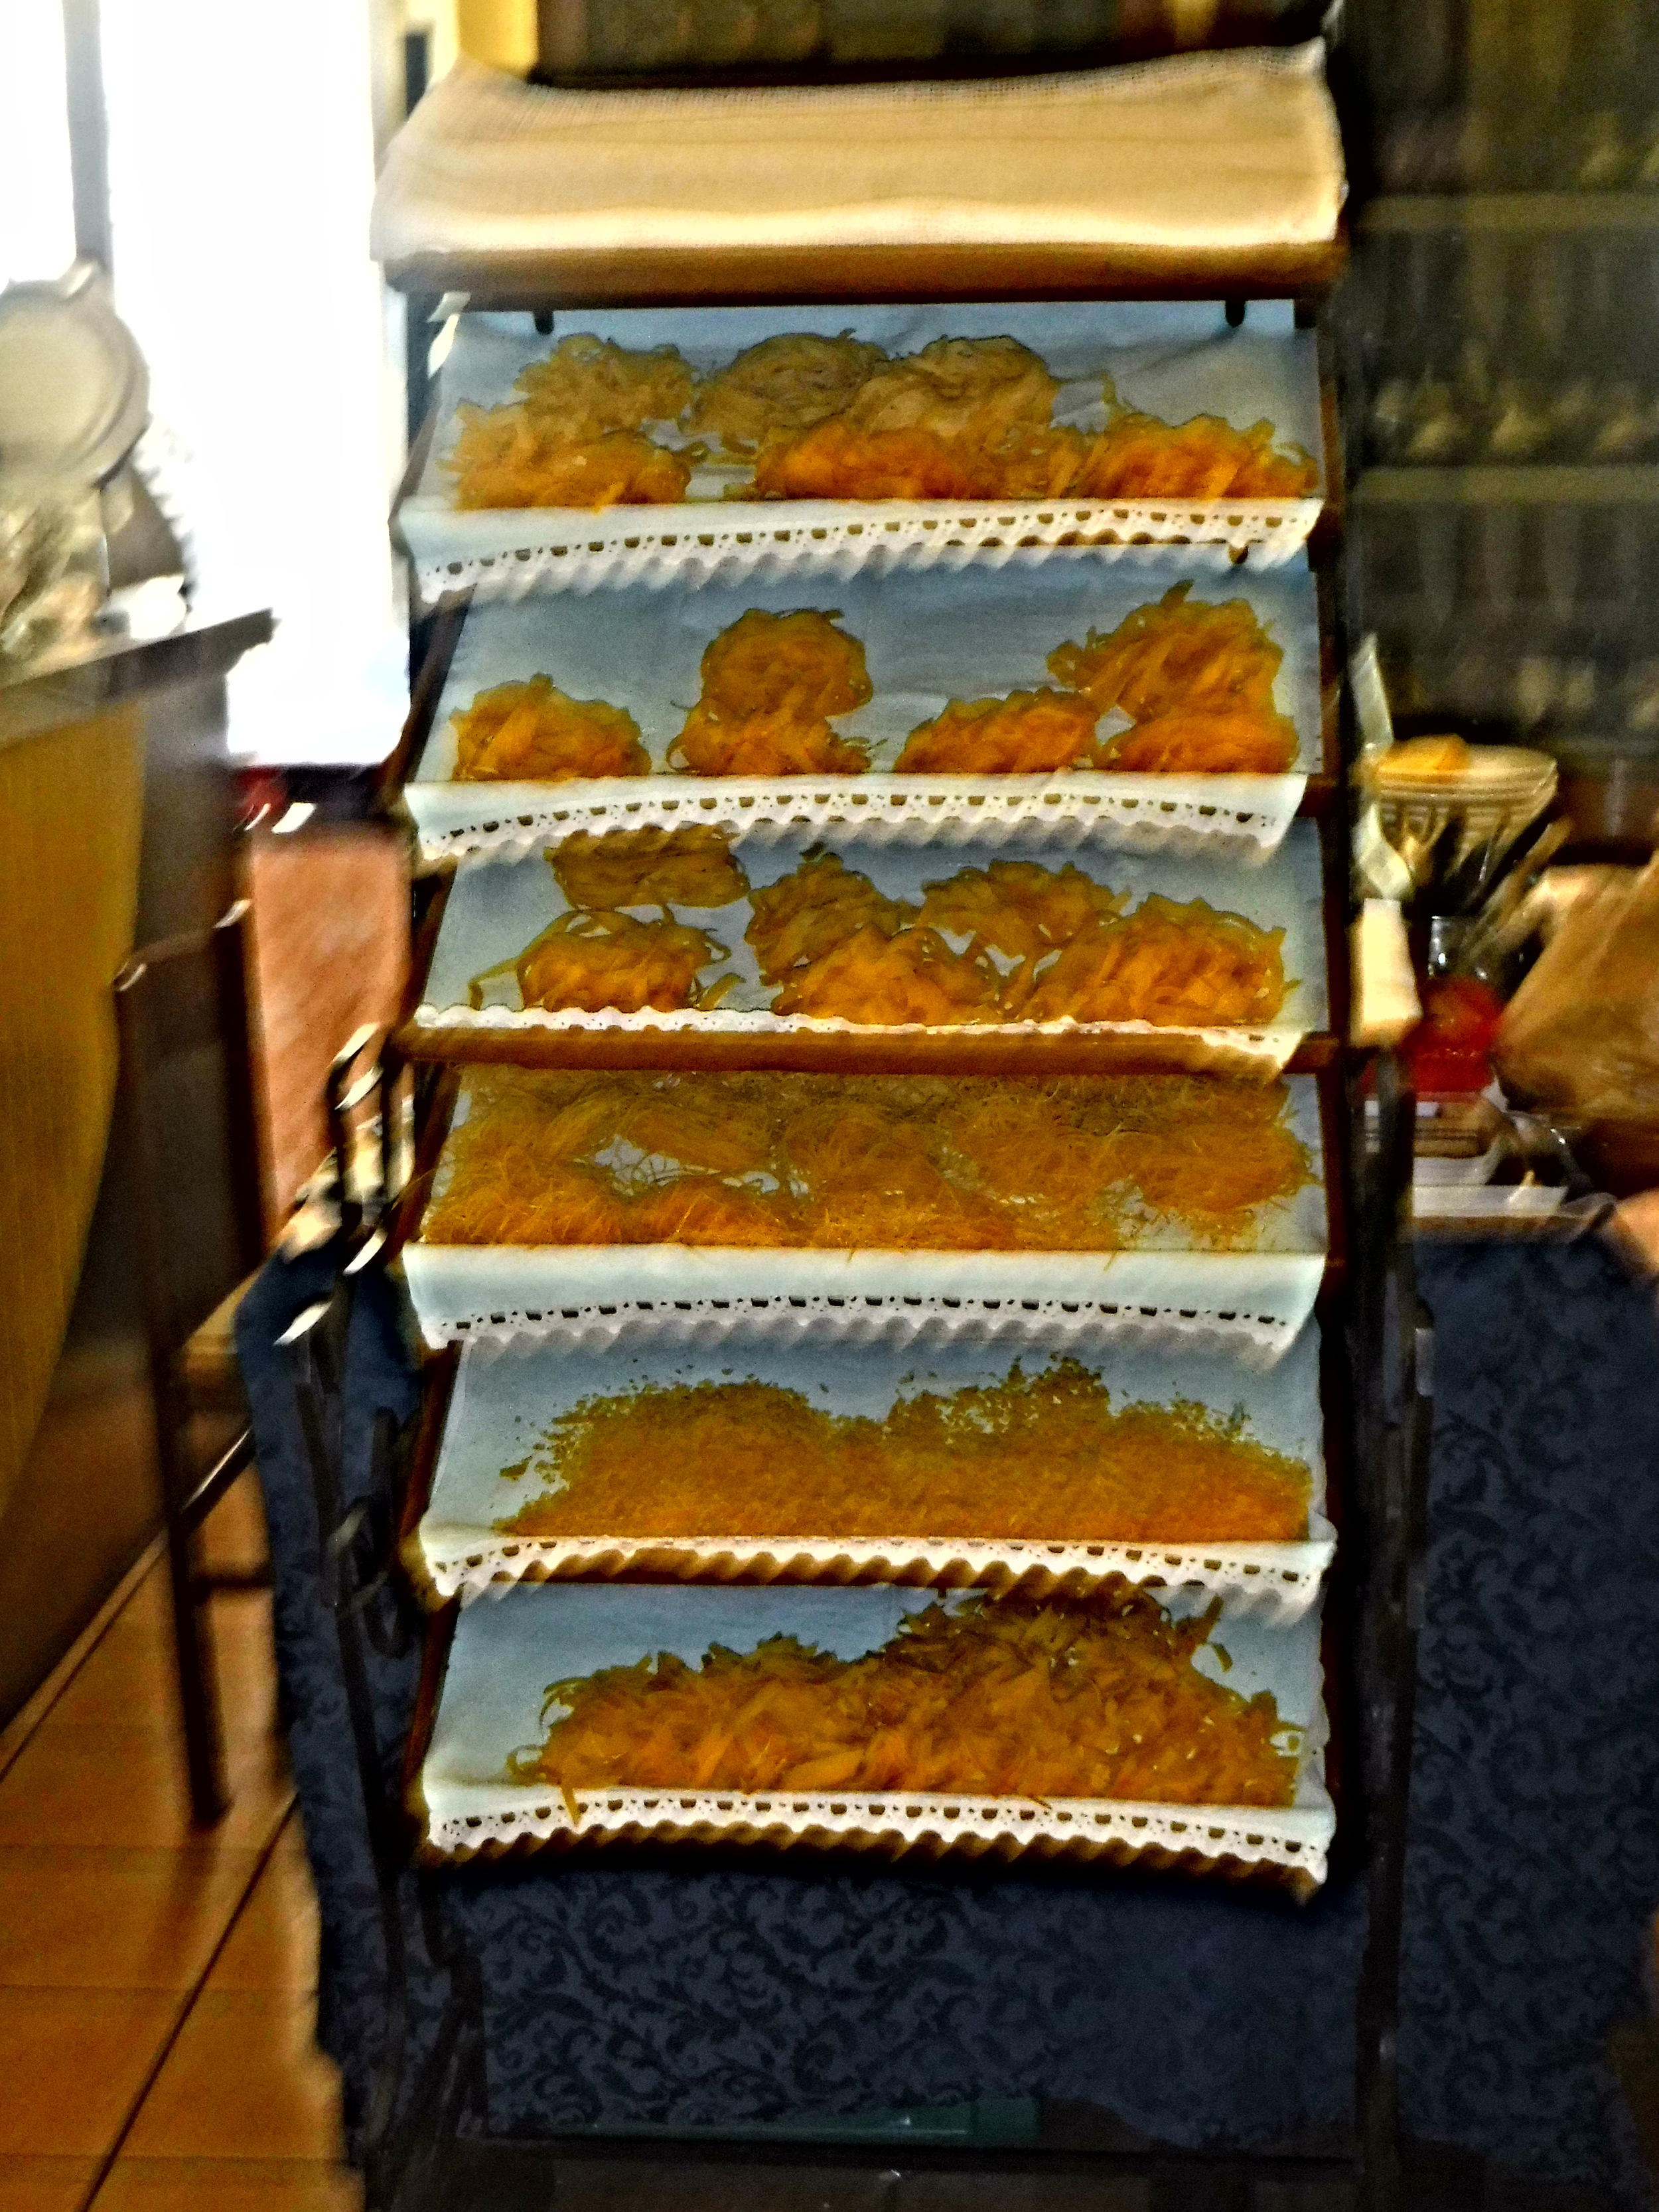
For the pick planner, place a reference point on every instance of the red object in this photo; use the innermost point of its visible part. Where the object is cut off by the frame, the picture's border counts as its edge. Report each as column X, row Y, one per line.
column 1451, row 1049
column 261, row 796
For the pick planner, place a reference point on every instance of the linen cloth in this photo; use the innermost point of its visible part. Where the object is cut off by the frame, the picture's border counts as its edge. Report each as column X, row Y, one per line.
column 1231, row 150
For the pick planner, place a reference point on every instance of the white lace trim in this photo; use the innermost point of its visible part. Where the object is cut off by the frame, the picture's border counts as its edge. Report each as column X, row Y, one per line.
column 1261, row 1338
column 511, row 551
column 1258, row 1053
column 1127, row 813
column 496, row 1817
column 1279, row 1581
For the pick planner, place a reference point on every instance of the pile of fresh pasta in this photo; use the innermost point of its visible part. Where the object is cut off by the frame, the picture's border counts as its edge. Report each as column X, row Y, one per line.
column 1058, row 1218
column 599, row 425
column 1073, row 1698
column 1014, row 941
column 1043, row 1455
column 862, row 1163
column 1192, row 680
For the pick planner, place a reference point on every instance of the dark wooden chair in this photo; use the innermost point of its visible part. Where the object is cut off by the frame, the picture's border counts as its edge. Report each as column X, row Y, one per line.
column 185, row 1091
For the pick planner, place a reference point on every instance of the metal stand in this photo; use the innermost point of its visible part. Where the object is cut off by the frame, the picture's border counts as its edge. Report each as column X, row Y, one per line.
column 1397, row 1410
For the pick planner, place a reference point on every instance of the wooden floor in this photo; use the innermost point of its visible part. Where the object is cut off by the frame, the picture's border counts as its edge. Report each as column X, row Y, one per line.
column 157, row 1984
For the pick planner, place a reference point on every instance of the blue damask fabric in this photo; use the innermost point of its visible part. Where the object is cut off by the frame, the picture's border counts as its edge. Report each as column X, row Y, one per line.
column 694, row 1998
column 352, row 1965
column 1534, row 1833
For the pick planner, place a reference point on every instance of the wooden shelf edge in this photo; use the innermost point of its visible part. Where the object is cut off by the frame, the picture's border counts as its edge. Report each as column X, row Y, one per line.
column 685, row 1052
column 697, row 276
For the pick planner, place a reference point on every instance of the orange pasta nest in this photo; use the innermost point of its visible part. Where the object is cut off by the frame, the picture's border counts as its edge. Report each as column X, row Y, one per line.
column 818, row 905
column 588, row 385
column 847, row 952
column 960, row 418
column 1174, row 966
column 714, row 743
column 1204, row 741
column 982, row 391
column 837, row 461
column 1002, row 1698
column 1174, row 652
column 1016, row 907
column 835, row 418
column 1040, row 1457
column 506, row 457
column 1138, row 456
column 783, row 385
column 860, row 1163
column 913, row 978
column 799, row 663
column 588, row 961
column 1197, row 681
column 1027, row 733
column 769, row 683
column 533, row 731
column 689, row 867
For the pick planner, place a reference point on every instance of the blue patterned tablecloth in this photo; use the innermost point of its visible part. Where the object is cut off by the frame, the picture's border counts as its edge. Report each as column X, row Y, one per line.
column 695, row 1998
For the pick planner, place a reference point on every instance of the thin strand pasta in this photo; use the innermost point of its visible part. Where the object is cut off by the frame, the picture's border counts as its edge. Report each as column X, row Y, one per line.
column 534, row 732
column 995, row 1698
column 1033, row 1457
column 848, row 1163
column 1026, row 734
column 588, row 385
column 783, row 386
column 689, row 867
column 505, row 457
column 590, row 961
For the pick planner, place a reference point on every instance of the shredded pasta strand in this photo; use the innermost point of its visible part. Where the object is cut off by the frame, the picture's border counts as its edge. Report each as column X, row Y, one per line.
column 1007, row 1697
column 861, row 1163
column 1038, row 1457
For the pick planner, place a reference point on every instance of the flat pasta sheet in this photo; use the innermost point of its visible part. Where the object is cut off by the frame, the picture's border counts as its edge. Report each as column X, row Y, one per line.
column 504, row 1657
column 497, row 908
column 507, row 1394
column 1173, row 358
column 929, row 637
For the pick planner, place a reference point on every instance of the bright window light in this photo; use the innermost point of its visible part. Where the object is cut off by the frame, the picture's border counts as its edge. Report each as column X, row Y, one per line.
column 242, row 169
column 37, row 199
